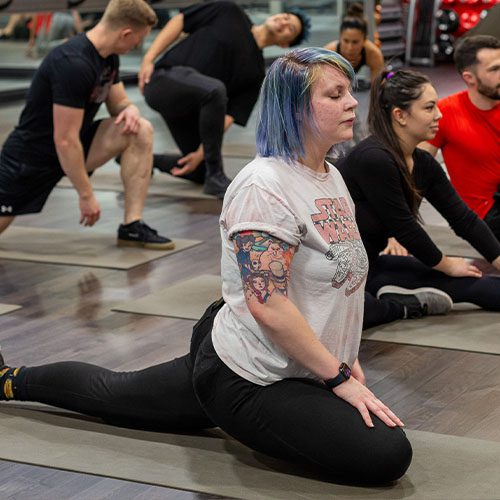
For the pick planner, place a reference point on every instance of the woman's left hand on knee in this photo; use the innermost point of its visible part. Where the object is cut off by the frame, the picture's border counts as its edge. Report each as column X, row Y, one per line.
column 359, row 396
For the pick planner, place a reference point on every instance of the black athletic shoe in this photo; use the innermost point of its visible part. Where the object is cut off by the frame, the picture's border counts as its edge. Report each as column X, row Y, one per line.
column 139, row 234
column 216, row 184
column 3, row 370
column 419, row 301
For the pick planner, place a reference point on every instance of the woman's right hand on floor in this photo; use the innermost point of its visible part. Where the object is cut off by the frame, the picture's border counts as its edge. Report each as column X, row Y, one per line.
column 359, row 396
column 457, row 267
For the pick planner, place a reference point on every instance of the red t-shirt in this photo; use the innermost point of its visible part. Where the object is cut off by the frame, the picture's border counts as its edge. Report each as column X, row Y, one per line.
column 469, row 139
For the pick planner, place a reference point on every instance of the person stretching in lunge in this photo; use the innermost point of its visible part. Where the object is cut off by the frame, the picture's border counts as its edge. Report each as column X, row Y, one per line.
column 57, row 134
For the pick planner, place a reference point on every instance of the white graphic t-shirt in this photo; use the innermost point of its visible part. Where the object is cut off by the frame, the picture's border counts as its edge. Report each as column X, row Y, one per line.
column 314, row 213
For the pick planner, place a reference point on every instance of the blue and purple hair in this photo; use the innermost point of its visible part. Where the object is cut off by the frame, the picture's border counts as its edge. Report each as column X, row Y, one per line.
column 285, row 113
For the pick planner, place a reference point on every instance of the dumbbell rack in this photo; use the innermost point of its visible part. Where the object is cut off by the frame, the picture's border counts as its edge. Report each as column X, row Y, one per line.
column 434, row 25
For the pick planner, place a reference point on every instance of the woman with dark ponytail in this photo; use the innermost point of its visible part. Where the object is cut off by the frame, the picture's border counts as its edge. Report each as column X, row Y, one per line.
column 388, row 176
column 354, row 45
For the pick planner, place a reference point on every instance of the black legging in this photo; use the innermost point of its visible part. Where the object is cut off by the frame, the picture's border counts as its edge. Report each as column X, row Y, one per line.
column 408, row 272
column 295, row 419
column 492, row 218
column 193, row 107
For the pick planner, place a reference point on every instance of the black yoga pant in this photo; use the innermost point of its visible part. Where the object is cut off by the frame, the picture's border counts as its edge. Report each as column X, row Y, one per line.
column 409, row 272
column 295, row 419
column 193, row 106
column 492, row 218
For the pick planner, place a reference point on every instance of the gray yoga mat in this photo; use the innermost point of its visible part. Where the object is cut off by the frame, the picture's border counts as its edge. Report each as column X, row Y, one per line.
column 469, row 329
column 78, row 248
column 211, row 462
column 187, row 299
column 449, row 243
column 247, row 151
column 107, row 178
column 7, row 308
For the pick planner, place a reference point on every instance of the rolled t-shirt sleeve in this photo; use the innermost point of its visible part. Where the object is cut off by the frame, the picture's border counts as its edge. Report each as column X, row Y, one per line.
column 256, row 209
column 71, row 82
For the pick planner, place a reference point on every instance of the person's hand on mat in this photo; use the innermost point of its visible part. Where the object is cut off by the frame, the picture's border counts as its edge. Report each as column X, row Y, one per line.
column 144, row 75
column 357, row 372
column 188, row 163
column 359, row 396
column 129, row 117
column 394, row 248
column 90, row 210
column 458, row 267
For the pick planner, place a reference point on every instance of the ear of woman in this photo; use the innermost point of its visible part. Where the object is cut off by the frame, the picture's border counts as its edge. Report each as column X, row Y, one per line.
column 398, row 115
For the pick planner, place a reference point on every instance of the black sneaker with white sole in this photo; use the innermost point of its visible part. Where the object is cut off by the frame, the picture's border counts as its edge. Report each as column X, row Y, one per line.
column 418, row 302
column 139, row 234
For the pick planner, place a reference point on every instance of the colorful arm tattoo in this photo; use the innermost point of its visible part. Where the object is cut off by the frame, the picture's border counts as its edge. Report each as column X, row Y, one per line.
column 264, row 263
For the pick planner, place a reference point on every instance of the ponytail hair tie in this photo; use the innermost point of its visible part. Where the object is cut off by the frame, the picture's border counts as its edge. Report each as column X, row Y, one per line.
column 389, row 75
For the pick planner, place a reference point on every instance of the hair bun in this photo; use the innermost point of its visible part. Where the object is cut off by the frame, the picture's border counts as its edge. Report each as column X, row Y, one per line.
column 355, row 10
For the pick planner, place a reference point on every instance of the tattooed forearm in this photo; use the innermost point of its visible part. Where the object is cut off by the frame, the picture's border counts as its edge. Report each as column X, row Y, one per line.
column 264, row 263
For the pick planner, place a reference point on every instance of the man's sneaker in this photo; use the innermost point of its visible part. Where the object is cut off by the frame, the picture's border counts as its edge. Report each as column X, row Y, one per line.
column 216, row 184
column 419, row 301
column 139, row 234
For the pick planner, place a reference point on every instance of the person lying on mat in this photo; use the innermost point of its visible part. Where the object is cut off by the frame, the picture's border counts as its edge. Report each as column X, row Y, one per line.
column 387, row 176
column 57, row 135
column 269, row 363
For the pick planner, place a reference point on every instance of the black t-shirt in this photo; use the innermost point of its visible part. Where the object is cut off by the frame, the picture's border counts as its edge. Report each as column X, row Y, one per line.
column 383, row 211
column 221, row 45
column 73, row 75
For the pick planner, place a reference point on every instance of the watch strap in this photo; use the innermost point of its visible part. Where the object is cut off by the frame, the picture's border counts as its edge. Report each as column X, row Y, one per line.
column 344, row 374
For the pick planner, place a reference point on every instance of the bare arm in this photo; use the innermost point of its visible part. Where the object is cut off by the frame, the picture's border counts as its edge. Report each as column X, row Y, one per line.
column 67, row 125
column 374, row 59
column 117, row 99
column 119, row 105
column 427, row 146
column 167, row 36
column 267, row 300
column 332, row 46
column 77, row 20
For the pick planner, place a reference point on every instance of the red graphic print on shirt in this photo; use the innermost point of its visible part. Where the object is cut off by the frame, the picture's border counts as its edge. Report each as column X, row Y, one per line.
column 336, row 224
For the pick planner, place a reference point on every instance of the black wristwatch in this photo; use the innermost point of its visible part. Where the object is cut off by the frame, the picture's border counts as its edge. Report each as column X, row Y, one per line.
column 344, row 374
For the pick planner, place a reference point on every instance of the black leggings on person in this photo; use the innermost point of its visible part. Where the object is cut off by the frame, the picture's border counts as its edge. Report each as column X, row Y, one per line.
column 193, row 106
column 492, row 218
column 409, row 272
column 295, row 419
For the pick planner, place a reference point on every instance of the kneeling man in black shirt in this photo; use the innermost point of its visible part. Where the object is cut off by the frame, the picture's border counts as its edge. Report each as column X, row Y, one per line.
column 57, row 134
column 209, row 80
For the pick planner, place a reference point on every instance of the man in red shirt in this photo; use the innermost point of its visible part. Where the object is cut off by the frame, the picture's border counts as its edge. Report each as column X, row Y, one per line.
column 469, row 132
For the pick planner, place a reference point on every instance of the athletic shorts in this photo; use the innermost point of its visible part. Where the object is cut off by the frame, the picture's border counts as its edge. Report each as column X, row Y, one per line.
column 24, row 188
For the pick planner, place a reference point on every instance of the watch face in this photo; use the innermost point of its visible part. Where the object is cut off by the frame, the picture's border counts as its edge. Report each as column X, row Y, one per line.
column 345, row 370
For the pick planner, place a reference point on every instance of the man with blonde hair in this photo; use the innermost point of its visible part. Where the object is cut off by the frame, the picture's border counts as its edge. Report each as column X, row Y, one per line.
column 57, row 134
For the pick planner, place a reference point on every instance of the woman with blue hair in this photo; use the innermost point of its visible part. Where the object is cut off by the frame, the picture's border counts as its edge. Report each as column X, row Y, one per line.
column 272, row 370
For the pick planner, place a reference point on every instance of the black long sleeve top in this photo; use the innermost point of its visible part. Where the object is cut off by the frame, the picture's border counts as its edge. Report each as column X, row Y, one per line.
column 383, row 211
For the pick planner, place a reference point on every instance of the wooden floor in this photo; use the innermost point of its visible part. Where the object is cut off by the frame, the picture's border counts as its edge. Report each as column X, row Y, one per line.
column 66, row 315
